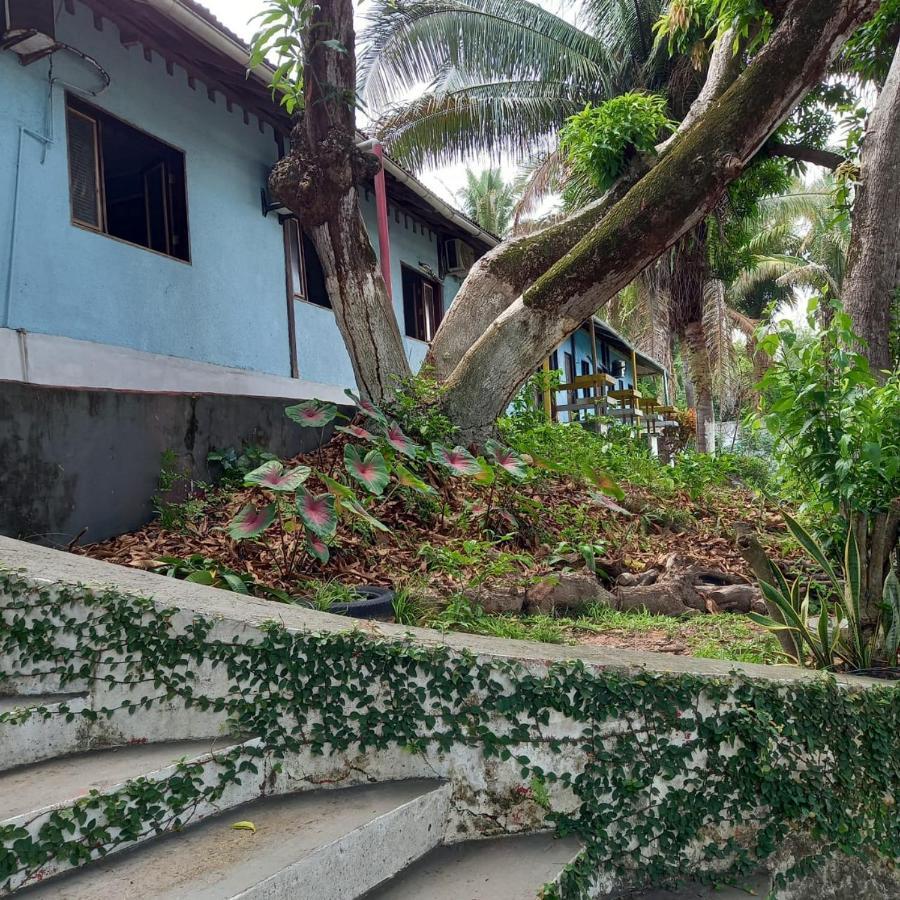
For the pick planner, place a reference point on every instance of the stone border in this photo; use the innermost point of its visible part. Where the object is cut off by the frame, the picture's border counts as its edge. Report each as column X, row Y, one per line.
column 44, row 565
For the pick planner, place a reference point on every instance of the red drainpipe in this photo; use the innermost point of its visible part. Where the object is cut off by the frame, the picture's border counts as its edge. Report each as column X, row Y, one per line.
column 381, row 208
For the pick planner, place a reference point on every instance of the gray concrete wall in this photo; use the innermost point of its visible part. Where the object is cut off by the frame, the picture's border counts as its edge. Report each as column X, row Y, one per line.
column 74, row 459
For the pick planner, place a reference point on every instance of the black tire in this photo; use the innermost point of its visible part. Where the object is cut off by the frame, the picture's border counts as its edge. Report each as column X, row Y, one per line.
column 373, row 603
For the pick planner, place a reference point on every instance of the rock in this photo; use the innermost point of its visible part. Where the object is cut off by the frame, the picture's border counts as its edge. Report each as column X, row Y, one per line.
column 498, row 598
column 629, row 579
column 567, row 591
column 670, row 597
column 737, row 598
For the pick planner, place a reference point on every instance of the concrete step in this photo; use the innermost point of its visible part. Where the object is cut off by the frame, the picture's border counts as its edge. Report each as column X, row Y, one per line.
column 507, row 868
column 35, row 738
column 30, row 788
column 328, row 845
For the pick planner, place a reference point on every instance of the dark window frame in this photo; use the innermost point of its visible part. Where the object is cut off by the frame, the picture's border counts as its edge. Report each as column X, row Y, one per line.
column 425, row 319
column 299, row 245
column 96, row 115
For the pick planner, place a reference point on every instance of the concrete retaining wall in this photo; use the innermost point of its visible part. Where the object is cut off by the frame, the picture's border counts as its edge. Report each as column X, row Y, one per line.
column 75, row 460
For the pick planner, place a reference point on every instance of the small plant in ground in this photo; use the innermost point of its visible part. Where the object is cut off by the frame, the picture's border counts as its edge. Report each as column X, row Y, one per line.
column 200, row 569
column 589, row 553
column 840, row 636
column 177, row 514
column 232, row 465
column 322, row 595
column 408, row 607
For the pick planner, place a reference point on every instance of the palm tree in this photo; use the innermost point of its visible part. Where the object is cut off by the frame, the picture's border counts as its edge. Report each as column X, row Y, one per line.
column 798, row 239
column 488, row 200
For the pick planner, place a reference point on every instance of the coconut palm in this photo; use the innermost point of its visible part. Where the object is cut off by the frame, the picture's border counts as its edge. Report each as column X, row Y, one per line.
column 488, row 199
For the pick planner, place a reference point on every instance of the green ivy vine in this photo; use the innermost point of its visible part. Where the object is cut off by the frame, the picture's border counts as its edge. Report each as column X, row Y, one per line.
column 663, row 759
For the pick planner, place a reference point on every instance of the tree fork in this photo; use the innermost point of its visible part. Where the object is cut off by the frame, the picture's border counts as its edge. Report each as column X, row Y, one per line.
column 665, row 204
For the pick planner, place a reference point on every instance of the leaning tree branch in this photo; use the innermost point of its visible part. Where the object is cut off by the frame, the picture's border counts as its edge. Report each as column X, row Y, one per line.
column 664, row 205
column 501, row 275
column 828, row 159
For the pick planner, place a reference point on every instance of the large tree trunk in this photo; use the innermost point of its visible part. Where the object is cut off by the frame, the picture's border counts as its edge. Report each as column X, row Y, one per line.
column 872, row 282
column 317, row 181
column 664, row 205
column 701, row 377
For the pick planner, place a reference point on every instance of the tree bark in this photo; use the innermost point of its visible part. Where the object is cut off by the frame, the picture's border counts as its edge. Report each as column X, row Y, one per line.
column 664, row 205
column 701, row 377
column 872, row 283
column 317, row 181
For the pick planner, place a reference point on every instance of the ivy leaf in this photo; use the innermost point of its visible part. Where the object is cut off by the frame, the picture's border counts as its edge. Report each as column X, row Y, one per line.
column 507, row 459
column 275, row 477
column 317, row 548
column 312, row 413
column 317, row 513
column 400, row 442
column 370, row 470
column 458, row 460
column 251, row 522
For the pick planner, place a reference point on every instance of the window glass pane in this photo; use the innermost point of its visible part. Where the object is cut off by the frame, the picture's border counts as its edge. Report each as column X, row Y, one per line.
column 316, row 290
column 83, row 169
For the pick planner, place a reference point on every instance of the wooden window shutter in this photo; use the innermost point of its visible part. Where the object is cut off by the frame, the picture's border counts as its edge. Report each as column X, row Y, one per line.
column 84, row 169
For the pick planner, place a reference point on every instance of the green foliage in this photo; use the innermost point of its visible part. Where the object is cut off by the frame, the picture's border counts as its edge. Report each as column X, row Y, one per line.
column 697, row 472
column 233, row 465
column 322, row 595
column 176, row 515
column 685, row 23
column 364, row 695
column 840, row 632
column 201, row 569
column 282, row 24
column 488, row 199
column 835, row 427
column 600, row 140
column 871, row 48
column 417, row 407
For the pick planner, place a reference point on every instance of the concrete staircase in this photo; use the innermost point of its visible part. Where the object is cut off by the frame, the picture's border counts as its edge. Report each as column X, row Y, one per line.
column 382, row 840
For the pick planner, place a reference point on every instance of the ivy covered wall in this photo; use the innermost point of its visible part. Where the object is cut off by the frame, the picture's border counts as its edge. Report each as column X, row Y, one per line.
column 660, row 774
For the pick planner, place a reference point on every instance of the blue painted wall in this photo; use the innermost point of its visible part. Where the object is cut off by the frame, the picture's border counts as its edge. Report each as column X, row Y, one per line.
column 228, row 305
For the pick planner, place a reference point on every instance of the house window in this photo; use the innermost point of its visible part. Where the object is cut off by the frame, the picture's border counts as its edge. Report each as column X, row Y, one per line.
column 585, row 370
column 422, row 305
column 569, row 361
column 125, row 183
column 306, row 272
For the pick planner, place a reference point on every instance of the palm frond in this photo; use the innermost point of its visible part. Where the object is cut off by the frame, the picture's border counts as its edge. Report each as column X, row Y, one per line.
column 405, row 44
column 445, row 127
column 541, row 176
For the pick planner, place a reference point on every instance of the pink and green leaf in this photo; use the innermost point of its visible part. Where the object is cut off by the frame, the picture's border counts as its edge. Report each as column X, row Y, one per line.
column 339, row 490
column 312, row 413
column 458, row 460
column 411, row 480
column 400, row 442
column 366, row 407
column 317, row 548
column 370, row 471
column 317, row 512
column 356, row 431
column 273, row 476
column 507, row 459
column 251, row 522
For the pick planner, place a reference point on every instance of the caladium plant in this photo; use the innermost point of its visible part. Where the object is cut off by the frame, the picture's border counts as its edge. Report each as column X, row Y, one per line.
column 312, row 413
column 317, row 512
column 411, row 480
column 251, row 521
column 458, row 460
column 367, row 408
column 400, row 442
column 317, row 548
column 507, row 459
column 356, row 431
column 370, row 470
column 273, row 476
